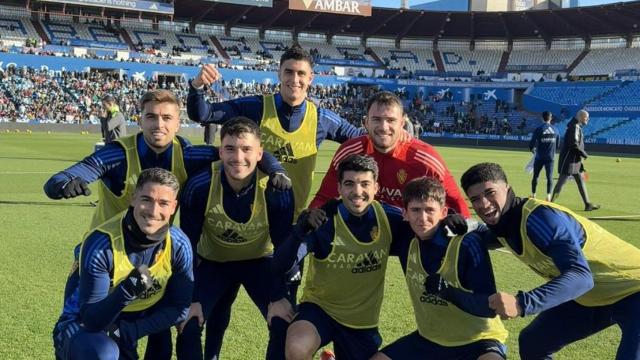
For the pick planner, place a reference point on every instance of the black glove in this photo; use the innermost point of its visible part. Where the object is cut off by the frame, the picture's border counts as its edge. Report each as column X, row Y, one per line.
column 302, row 226
column 75, row 187
column 456, row 223
column 280, row 181
column 138, row 281
column 435, row 284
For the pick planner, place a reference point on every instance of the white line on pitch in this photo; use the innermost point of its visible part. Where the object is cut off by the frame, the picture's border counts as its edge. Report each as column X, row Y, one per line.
column 615, row 217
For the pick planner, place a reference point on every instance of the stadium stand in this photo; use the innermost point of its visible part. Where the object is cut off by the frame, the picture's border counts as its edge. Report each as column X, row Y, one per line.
column 608, row 61
column 15, row 27
column 626, row 94
column 436, row 56
column 465, row 62
column 546, row 60
column 85, row 34
column 571, row 94
column 625, row 131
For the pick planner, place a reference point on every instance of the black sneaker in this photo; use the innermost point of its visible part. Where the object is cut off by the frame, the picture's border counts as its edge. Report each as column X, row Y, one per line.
column 591, row 207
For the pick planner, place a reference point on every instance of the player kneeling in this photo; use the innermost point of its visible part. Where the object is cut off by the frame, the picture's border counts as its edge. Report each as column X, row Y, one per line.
column 450, row 280
column 135, row 277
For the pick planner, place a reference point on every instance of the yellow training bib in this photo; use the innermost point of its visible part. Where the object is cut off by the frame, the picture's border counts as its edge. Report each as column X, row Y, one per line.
column 222, row 238
column 110, row 204
column 349, row 284
column 297, row 150
column 614, row 263
column 441, row 321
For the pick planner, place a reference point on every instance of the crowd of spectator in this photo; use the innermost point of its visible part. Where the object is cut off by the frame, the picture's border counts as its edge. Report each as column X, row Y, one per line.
column 70, row 97
column 28, row 94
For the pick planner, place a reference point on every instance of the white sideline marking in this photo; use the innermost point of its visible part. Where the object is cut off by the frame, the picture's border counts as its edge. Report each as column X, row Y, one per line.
column 24, row 172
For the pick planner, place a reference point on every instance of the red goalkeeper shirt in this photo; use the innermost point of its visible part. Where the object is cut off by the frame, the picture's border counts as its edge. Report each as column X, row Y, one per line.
column 408, row 160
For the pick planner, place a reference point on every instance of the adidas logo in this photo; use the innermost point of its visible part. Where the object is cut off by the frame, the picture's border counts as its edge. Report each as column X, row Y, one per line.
column 154, row 289
column 549, row 131
column 432, row 299
column 285, row 154
column 368, row 264
column 231, row 236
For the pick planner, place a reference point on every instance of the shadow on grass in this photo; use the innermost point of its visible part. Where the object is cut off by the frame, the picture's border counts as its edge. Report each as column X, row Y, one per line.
column 36, row 158
column 46, row 203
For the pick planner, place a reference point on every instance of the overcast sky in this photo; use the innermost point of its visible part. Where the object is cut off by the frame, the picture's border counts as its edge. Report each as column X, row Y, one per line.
column 396, row 3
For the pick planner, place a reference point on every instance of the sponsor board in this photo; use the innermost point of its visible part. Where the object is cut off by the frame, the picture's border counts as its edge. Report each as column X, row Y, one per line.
column 343, row 7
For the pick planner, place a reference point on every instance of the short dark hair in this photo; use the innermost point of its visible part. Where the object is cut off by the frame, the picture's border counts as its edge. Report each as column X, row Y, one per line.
column 239, row 125
column 359, row 163
column 384, row 98
column 423, row 189
column 481, row 173
column 546, row 115
column 296, row 53
column 158, row 176
column 161, row 96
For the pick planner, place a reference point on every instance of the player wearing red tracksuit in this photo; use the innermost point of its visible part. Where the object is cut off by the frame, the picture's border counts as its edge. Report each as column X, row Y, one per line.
column 407, row 160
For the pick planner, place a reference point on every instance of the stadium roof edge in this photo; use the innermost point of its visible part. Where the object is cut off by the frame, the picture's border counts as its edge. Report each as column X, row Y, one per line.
column 617, row 19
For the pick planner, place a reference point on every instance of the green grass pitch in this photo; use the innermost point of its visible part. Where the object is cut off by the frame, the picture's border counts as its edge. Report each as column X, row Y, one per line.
column 38, row 236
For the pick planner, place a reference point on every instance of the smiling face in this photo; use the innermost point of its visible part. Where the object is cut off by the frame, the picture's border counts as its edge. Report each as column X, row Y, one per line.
column 424, row 216
column 160, row 121
column 153, row 205
column 295, row 77
column 240, row 155
column 384, row 124
column 357, row 190
column 488, row 200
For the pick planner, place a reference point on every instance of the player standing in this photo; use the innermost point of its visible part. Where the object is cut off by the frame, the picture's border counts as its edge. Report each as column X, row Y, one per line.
column 544, row 143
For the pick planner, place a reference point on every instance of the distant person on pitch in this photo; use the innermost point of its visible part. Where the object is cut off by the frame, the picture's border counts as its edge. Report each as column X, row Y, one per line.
column 571, row 156
column 544, row 143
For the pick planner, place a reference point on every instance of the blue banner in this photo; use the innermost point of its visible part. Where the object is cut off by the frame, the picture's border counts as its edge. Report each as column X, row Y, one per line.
column 608, row 141
column 136, row 5
column 534, row 68
column 345, row 62
column 97, row 44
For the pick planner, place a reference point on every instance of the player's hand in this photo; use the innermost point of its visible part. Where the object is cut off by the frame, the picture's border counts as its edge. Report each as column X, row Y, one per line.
column 208, row 75
column 75, row 187
column 138, row 281
column 434, row 284
column 282, row 309
column 195, row 310
column 316, row 217
column 280, row 181
column 505, row 305
column 456, row 223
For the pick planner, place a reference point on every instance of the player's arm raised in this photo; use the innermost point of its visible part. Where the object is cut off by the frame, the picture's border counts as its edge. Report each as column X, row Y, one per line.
column 208, row 75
